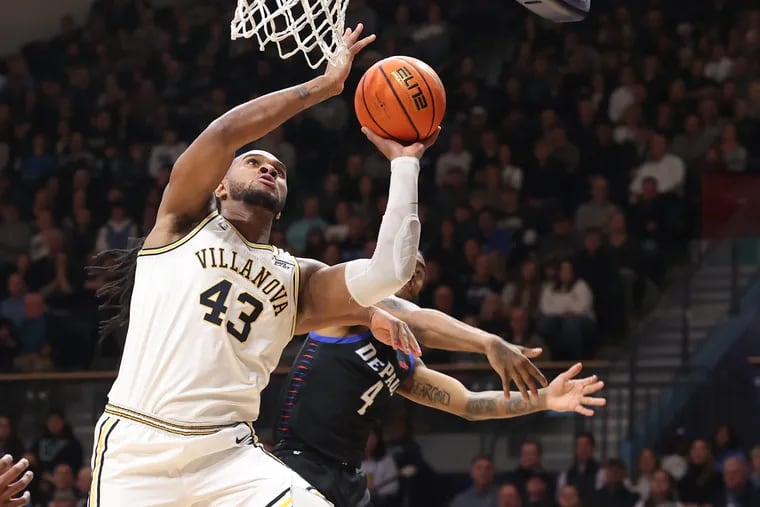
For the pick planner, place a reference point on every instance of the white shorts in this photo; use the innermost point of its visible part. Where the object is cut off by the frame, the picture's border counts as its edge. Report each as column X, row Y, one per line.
column 146, row 464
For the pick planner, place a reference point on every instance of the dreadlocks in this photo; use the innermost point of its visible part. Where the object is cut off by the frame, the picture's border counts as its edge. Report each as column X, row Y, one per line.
column 117, row 270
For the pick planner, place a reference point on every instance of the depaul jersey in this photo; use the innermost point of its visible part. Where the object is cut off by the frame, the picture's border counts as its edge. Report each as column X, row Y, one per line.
column 337, row 390
column 209, row 317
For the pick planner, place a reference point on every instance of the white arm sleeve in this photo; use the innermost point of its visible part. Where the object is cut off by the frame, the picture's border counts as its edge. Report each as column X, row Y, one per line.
column 392, row 265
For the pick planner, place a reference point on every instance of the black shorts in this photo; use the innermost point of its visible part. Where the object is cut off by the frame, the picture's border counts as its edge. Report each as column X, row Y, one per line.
column 344, row 486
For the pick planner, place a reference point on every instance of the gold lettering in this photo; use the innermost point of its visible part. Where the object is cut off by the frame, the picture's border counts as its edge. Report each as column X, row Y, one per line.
column 261, row 277
column 213, row 257
column 221, row 259
column 202, row 260
column 246, row 271
column 279, row 308
column 232, row 266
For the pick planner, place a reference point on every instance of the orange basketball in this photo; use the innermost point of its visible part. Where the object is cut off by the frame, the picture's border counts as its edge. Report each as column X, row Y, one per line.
column 400, row 98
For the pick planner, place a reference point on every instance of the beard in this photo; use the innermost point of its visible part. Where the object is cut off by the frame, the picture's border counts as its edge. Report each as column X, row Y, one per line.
column 267, row 200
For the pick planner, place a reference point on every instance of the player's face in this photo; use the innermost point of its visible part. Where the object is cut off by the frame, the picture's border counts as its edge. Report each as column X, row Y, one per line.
column 257, row 178
column 413, row 287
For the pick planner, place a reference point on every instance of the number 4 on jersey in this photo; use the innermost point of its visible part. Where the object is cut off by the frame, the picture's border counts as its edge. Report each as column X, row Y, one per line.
column 215, row 299
column 369, row 396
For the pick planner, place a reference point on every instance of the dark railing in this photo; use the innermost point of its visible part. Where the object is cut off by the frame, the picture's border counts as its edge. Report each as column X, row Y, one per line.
column 720, row 247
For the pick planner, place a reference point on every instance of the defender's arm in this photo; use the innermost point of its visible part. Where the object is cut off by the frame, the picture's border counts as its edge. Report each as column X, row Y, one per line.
column 437, row 390
column 437, row 330
column 199, row 170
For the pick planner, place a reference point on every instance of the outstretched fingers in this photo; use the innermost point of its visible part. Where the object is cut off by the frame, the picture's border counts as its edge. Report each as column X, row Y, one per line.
column 352, row 41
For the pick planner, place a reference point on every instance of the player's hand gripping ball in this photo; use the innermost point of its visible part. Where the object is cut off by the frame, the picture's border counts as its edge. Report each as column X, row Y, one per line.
column 400, row 98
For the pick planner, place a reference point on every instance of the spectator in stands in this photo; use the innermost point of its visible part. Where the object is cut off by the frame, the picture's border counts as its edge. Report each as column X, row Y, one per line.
column 10, row 443
column 561, row 243
column 15, row 235
column 509, row 496
column 525, row 291
column 115, row 233
column 483, row 492
column 676, row 462
column 569, row 497
column 648, row 218
column 530, row 465
column 457, row 156
column 511, row 175
column 692, row 145
column 585, row 473
column 755, row 473
column 645, row 470
column 662, row 492
column 63, row 499
column 58, row 444
column 8, row 346
column 623, row 96
column 567, row 314
column 702, row 483
column 733, row 154
column 725, row 445
column 12, row 307
column 736, row 490
column 380, row 469
column 166, row 153
column 597, row 212
column 34, row 351
column 595, row 264
column 84, row 481
column 521, row 332
column 63, row 479
column 614, row 492
column 537, row 492
column 665, row 167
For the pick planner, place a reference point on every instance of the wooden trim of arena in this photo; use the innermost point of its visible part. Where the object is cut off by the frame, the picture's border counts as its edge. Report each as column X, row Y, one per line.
column 283, row 370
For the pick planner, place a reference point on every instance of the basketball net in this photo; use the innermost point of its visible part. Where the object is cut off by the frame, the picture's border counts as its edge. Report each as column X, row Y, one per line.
column 313, row 27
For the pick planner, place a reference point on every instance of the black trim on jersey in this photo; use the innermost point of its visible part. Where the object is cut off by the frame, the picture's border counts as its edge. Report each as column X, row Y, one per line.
column 277, row 498
column 103, row 458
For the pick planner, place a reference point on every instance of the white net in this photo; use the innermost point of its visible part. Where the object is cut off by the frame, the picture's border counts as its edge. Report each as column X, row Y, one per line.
column 314, row 27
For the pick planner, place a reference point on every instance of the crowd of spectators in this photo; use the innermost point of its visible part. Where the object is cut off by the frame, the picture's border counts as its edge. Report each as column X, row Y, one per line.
column 566, row 180
column 697, row 473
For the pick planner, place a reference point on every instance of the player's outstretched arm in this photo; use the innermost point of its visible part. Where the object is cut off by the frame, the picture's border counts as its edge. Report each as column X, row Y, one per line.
column 564, row 394
column 328, row 294
column 199, row 170
column 437, row 330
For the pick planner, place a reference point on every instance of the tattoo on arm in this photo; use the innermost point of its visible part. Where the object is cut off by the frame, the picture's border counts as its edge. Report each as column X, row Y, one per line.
column 431, row 393
column 302, row 92
column 495, row 405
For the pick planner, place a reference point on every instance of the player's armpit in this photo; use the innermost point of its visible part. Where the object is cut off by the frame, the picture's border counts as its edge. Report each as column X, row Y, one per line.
column 323, row 299
column 437, row 390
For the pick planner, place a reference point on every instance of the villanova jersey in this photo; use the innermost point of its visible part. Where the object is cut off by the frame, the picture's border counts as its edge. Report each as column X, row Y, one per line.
column 209, row 317
column 337, row 390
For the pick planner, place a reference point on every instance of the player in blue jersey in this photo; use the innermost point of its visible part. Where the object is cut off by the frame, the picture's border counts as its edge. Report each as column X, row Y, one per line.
column 321, row 433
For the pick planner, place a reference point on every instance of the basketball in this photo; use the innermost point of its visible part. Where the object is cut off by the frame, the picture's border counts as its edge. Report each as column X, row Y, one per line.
column 400, row 98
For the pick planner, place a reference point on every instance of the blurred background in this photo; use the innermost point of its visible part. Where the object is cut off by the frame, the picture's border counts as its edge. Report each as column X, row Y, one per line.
column 621, row 153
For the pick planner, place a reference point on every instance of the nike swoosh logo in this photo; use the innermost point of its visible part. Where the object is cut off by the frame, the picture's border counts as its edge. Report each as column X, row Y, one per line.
column 240, row 440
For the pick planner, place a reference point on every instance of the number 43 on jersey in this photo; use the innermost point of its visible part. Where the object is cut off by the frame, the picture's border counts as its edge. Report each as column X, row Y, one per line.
column 215, row 298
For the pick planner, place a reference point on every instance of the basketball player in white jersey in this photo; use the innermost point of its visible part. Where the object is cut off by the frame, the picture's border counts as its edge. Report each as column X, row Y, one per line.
column 213, row 305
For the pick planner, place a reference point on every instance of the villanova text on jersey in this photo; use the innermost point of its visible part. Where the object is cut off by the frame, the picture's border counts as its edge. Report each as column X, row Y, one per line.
column 211, row 257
